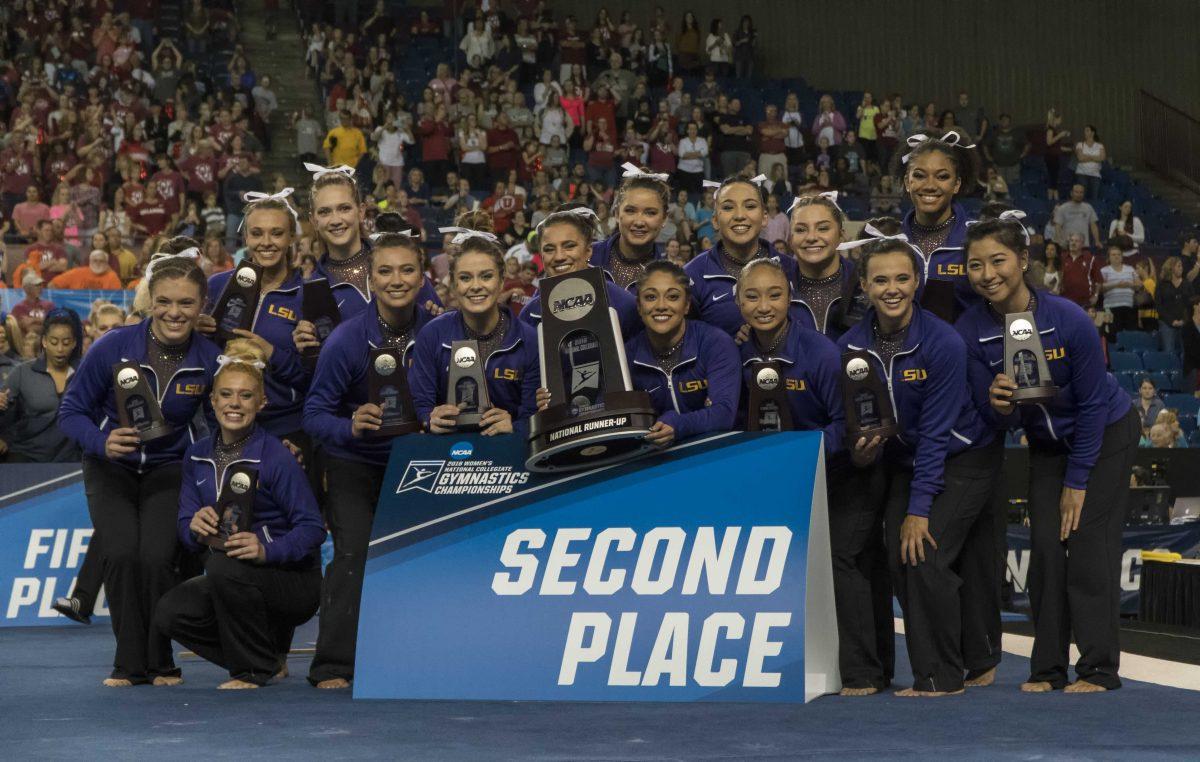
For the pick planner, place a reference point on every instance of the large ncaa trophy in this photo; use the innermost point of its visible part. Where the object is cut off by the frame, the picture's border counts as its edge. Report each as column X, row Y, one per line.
column 235, row 505
column 318, row 307
column 387, row 387
column 768, row 409
column 467, row 386
column 137, row 407
column 597, row 418
column 1025, row 361
column 869, row 411
column 239, row 300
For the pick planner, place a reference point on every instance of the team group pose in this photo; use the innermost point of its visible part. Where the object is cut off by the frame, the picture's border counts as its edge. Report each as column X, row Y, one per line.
column 911, row 515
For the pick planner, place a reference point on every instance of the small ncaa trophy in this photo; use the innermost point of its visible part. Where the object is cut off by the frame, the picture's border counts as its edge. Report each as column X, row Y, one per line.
column 137, row 407
column 239, row 300
column 768, row 409
column 235, row 505
column 387, row 387
column 1025, row 361
column 869, row 411
column 318, row 307
column 595, row 416
column 467, row 387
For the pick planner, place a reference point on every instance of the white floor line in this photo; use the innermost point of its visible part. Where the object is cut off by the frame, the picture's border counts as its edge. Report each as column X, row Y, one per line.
column 40, row 485
column 1172, row 674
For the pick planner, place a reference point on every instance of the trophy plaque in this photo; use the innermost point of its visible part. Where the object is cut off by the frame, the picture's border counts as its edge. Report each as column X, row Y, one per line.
column 595, row 417
column 869, row 411
column 387, row 387
column 1025, row 360
column 235, row 505
column 137, row 407
column 938, row 297
column 238, row 303
column 467, row 387
column 768, row 407
column 319, row 308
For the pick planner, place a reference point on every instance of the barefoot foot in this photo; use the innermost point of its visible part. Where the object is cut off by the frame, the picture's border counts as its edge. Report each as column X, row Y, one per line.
column 117, row 682
column 333, row 684
column 236, row 685
column 910, row 692
column 1036, row 687
column 283, row 671
column 987, row 678
column 1083, row 686
column 167, row 681
column 858, row 691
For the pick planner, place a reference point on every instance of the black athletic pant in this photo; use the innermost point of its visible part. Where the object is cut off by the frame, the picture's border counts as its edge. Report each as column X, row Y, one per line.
column 135, row 514
column 240, row 615
column 349, row 511
column 861, row 586
column 942, row 592
column 981, row 567
column 90, row 577
column 1074, row 586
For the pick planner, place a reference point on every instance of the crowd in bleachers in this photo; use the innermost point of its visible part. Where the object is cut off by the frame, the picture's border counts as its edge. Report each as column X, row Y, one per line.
column 127, row 128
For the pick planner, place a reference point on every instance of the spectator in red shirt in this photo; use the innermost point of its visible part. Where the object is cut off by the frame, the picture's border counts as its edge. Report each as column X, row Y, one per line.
column 132, row 188
column 152, row 216
column 200, row 171
column 169, row 183
column 572, row 49
column 503, row 148
column 602, row 108
column 1080, row 273
column 435, row 134
column 771, row 134
column 18, row 168
column 503, row 204
column 601, row 153
column 31, row 311
column 44, row 256
column 223, row 131
column 30, row 213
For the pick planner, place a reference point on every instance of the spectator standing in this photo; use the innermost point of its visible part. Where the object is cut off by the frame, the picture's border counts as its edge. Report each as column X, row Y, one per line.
column 28, row 214
column 503, row 148
column 866, row 113
column 308, row 135
column 1080, row 274
column 971, row 119
column 792, row 118
column 829, row 123
column 1173, row 300
column 1190, row 338
column 1076, row 217
column 1051, row 143
column 733, row 139
column 242, row 179
column 1005, row 148
column 1127, row 223
column 687, row 45
column 391, row 137
column 435, row 134
column 693, row 150
column 772, row 134
column 1090, row 156
column 745, row 40
column 1052, row 268
column 472, row 146
column 345, row 143
column 572, row 49
column 1119, row 284
column 719, row 48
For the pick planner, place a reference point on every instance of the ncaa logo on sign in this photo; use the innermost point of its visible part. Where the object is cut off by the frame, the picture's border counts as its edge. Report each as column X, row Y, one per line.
column 857, row 369
column 1021, row 330
column 572, row 299
column 421, row 474
column 127, row 378
column 767, row 379
column 239, row 483
column 246, row 277
column 464, row 357
column 461, row 451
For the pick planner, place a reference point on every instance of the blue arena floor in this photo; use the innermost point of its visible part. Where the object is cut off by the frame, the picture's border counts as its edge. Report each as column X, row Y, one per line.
column 53, row 706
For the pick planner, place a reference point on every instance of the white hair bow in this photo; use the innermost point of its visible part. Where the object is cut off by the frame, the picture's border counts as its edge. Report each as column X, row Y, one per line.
column 578, row 211
column 756, row 180
column 223, row 360
column 463, row 234
column 951, row 138
column 189, row 253
column 375, row 237
column 1011, row 215
column 282, row 196
column 876, row 235
column 318, row 171
column 830, row 196
column 711, row 184
column 633, row 170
